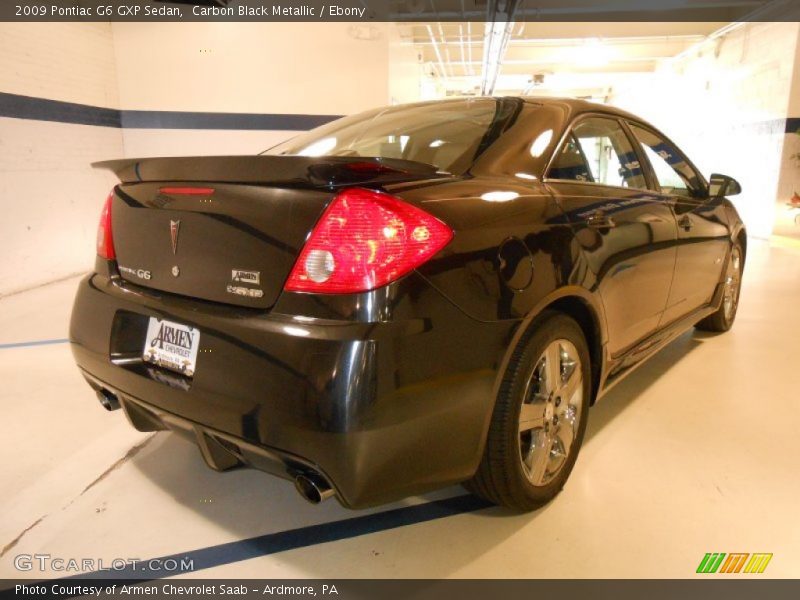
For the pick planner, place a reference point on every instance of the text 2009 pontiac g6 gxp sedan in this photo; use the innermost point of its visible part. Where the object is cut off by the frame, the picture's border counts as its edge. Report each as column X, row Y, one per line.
column 406, row 298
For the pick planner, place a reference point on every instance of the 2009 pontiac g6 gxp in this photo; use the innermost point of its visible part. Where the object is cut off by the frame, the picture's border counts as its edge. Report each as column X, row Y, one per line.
column 406, row 298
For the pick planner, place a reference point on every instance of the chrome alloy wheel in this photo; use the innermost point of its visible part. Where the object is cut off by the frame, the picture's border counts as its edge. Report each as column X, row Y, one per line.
column 733, row 277
column 550, row 413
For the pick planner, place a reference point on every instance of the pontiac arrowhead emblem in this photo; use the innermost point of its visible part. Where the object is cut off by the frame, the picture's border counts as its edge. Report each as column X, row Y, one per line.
column 174, row 229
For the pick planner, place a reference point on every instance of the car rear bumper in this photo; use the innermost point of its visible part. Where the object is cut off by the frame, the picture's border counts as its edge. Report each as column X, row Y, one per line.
column 380, row 410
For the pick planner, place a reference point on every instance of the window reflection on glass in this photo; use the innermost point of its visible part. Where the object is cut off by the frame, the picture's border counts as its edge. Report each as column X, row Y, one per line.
column 598, row 151
column 674, row 174
column 446, row 135
column 319, row 148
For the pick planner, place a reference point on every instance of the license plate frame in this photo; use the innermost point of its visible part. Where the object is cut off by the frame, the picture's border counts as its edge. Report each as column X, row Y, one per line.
column 171, row 345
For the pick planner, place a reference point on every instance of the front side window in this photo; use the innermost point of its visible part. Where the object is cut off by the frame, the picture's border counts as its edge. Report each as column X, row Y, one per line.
column 674, row 174
column 597, row 150
column 448, row 135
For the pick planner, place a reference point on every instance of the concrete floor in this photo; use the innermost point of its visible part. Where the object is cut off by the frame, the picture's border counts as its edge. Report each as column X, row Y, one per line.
column 695, row 452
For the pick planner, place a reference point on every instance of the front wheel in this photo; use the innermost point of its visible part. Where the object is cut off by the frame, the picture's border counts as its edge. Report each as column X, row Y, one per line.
column 723, row 318
column 539, row 418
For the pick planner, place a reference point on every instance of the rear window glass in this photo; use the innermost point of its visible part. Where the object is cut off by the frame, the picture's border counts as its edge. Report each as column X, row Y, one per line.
column 448, row 135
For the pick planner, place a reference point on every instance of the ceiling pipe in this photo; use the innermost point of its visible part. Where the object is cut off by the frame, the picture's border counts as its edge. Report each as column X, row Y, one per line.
column 469, row 47
column 719, row 33
column 639, row 39
column 499, row 26
column 442, row 70
column 446, row 49
column 776, row 7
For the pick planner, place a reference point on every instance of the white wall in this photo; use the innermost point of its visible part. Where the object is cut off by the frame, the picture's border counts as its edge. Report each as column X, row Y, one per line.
column 50, row 199
column 789, row 183
column 276, row 68
column 49, row 196
column 726, row 107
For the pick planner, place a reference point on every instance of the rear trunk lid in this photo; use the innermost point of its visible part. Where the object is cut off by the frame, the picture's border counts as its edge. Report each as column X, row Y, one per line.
column 229, row 229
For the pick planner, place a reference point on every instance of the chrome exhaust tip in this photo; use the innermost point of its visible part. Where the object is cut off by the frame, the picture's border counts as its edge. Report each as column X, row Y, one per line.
column 313, row 488
column 108, row 400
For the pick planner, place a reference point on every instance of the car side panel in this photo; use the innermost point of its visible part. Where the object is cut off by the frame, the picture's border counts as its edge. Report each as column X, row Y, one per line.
column 703, row 245
column 631, row 262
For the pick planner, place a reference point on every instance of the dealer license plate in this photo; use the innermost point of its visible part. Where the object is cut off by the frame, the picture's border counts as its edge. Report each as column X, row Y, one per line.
column 171, row 345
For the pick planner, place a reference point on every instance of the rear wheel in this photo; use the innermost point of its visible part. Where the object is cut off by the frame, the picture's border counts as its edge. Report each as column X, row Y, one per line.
column 722, row 320
column 539, row 419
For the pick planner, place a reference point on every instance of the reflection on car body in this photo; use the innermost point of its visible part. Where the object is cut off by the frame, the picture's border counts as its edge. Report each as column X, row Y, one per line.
column 407, row 298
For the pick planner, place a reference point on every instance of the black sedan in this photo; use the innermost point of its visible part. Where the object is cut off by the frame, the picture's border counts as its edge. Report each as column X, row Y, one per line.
column 407, row 298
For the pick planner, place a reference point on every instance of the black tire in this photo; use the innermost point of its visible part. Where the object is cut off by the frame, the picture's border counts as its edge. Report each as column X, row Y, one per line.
column 723, row 318
column 502, row 477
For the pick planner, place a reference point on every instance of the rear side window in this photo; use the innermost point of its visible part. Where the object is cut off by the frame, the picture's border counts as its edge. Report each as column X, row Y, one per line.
column 447, row 135
column 598, row 150
column 674, row 174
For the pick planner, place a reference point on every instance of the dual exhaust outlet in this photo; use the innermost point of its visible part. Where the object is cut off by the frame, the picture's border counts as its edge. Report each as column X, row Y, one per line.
column 311, row 486
column 108, row 400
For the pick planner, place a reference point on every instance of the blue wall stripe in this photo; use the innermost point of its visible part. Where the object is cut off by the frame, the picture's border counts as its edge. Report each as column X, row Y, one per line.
column 34, row 343
column 271, row 543
column 156, row 119
column 41, row 109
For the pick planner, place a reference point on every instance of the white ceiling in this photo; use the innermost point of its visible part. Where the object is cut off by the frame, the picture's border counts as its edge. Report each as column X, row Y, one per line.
column 576, row 59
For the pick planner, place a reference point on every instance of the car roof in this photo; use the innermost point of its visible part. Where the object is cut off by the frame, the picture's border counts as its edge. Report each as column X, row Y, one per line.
column 579, row 105
column 573, row 106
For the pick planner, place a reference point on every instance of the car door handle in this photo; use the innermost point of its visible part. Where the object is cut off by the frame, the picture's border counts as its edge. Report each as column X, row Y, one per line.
column 685, row 223
column 600, row 220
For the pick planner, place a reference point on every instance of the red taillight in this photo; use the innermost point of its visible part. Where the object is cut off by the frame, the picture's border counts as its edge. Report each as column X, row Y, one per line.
column 364, row 240
column 105, row 240
column 186, row 191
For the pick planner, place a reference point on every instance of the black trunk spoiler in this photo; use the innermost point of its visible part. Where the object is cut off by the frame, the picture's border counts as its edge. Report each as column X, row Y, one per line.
column 323, row 171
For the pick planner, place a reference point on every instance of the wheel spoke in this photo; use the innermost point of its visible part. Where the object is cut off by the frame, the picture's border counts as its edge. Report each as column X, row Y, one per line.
column 566, row 433
column 531, row 416
column 573, row 385
column 732, row 282
column 558, row 454
column 553, row 366
column 540, row 458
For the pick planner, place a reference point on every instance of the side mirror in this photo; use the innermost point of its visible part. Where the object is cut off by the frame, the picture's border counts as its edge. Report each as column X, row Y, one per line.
column 722, row 185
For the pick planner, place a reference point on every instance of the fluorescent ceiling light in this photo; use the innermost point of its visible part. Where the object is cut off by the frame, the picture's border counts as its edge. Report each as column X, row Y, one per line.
column 592, row 53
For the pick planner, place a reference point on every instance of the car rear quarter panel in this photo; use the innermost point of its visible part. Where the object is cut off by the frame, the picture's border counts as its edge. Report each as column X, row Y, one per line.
column 513, row 247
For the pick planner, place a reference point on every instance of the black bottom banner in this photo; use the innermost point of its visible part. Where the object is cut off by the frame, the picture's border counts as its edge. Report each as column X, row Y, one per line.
column 417, row 589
